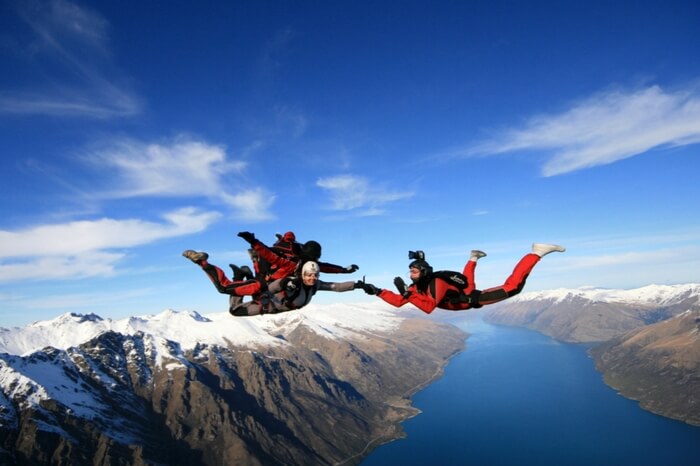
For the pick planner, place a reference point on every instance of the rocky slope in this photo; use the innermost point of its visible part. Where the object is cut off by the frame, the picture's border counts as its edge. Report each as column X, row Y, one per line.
column 322, row 386
column 658, row 365
column 593, row 315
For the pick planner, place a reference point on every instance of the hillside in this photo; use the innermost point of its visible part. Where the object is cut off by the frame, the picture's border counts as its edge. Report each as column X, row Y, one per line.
column 658, row 365
column 593, row 315
column 323, row 386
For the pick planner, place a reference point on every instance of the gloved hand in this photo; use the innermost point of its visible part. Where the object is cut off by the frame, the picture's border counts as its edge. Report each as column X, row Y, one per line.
column 247, row 236
column 291, row 286
column 370, row 289
column 401, row 286
column 352, row 268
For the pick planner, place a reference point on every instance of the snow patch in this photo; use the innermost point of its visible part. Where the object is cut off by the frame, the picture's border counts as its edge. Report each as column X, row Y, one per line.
column 185, row 330
column 36, row 379
column 657, row 295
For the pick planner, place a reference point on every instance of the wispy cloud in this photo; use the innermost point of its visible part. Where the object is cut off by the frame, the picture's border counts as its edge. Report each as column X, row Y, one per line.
column 603, row 129
column 70, row 51
column 349, row 192
column 252, row 205
column 181, row 168
column 86, row 248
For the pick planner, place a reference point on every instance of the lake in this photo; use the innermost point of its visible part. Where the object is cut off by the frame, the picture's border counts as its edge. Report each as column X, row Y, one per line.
column 517, row 397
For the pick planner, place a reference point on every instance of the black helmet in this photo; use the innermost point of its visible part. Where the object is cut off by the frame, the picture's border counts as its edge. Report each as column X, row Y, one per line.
column 310, row 251
column 423, row 266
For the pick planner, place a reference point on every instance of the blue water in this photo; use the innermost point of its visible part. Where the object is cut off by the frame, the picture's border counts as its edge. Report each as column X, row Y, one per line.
column 516, row 397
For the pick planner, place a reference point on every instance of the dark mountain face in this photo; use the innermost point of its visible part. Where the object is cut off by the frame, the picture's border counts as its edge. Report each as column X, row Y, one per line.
column 657, row 365
column 121, row 399
column 593, row 316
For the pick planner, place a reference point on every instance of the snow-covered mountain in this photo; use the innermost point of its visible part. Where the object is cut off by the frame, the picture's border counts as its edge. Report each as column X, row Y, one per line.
column 593, row 315
column 322, row 385
column 190, row 329
column 651, row 295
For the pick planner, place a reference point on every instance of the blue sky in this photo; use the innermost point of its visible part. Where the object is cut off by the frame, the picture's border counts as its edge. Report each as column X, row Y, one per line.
column 131, row 131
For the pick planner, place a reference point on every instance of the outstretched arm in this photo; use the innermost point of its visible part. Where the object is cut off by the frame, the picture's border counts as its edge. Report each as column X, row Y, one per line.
column 424, row 302
column 332, row 268
column 265, row 252
column 337, row 286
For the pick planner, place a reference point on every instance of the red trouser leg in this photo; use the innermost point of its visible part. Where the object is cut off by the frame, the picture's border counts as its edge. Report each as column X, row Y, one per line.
column 513, row 284
column 469, row 273
column 226, row 286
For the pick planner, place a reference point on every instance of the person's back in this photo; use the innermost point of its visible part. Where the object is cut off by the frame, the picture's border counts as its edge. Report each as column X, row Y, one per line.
column 281, row 267
column 286, row 246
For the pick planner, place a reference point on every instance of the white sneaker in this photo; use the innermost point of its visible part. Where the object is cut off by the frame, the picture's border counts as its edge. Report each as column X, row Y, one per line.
column 476, row 255
column 542, row 249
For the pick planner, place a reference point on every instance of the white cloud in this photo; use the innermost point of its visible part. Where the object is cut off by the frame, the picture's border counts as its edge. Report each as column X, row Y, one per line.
column 93, row 235
column 252, row 205
column 92, row 264
column 183, row 168
column 73, row 70
column 603, row 129
column 349, row 192
column 83, row 248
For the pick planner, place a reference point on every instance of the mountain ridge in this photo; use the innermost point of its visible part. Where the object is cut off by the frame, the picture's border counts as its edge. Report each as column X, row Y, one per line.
column 593, row 315
column 322, row 386
column 657, row 365
column 71, row 329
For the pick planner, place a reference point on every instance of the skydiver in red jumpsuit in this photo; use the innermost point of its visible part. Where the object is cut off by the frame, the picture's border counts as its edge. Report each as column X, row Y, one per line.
column 454, row 291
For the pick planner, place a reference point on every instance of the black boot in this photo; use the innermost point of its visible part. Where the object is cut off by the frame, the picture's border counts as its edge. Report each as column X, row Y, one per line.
column 238, row 274
column 247, row 273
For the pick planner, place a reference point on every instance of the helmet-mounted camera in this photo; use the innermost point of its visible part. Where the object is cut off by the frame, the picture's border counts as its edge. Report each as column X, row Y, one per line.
column 416, row 255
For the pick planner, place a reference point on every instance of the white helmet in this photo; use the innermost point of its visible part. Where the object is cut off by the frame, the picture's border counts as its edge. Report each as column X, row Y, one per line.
column 310, row 268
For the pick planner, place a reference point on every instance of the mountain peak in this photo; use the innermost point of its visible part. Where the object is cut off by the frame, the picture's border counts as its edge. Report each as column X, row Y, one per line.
column 182, row 388
column 650, row 294
column 189, row 328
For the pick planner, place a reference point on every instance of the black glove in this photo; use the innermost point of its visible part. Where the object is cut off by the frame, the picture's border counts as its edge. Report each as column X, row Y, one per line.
column 400, row 285
column 291, row 286
column 247, row 236
column 371, row 289
column 352, row 268
column 404, row 291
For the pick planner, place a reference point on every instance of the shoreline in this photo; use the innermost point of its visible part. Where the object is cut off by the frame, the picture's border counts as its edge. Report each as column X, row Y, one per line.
column 395, row 426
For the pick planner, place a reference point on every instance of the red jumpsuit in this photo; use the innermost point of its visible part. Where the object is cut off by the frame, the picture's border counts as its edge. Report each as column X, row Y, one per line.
column 267, row 298
column 285, row 267
column 441, row 294
column 237, row 289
